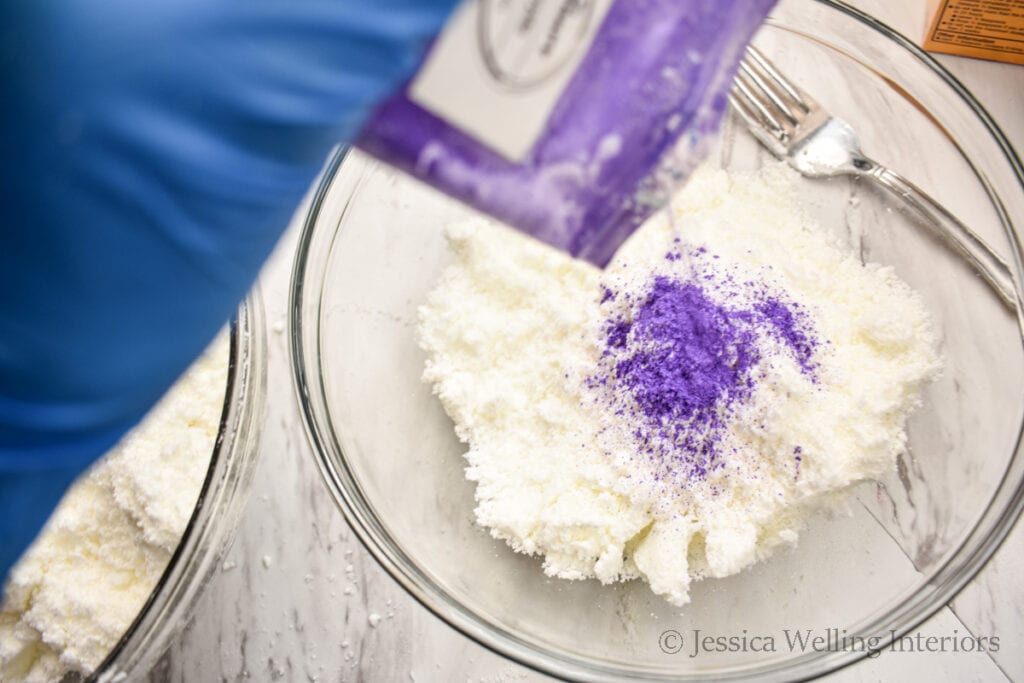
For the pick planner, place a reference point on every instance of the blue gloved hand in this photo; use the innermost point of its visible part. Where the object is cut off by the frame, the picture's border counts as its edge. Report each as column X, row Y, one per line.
column 152, row 154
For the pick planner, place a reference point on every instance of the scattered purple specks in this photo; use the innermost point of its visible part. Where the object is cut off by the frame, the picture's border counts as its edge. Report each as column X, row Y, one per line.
column 790, row 325
column 681, row 357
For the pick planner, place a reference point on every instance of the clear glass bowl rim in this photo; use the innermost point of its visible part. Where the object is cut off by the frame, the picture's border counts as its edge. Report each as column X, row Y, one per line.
column 942, row 586
column 218, row 510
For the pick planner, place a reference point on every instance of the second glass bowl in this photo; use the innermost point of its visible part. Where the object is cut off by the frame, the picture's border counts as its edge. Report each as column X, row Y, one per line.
column 218, row 509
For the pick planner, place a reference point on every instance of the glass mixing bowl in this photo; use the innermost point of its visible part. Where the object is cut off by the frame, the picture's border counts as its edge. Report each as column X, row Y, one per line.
column 372, row 248
column 218, row 508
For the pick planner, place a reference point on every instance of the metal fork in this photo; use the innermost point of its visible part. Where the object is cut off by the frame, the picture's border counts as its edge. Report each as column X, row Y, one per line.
column 794, row 127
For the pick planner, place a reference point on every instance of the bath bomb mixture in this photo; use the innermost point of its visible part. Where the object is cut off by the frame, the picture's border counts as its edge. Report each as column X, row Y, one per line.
column 678, row 415
column 80, row 585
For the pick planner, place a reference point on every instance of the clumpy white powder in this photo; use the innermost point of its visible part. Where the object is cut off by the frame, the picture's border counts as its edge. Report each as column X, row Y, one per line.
column 80, row 585
column 566, row 462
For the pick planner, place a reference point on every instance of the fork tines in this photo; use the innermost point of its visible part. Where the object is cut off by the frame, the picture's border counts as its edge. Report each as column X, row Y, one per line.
column 770, row 102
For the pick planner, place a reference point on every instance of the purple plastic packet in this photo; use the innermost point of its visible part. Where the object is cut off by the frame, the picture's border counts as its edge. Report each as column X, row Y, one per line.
column 571, row 120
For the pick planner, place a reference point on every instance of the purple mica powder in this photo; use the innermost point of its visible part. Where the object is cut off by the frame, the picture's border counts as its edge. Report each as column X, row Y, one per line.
column 789, row 325
column 678, row 361
column 692, row 352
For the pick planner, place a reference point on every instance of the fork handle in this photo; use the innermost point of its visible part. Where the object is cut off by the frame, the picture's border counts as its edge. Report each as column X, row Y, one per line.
column 947, row 227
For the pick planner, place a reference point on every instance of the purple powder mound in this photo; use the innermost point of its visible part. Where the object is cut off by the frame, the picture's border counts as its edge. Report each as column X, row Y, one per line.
column 690, row 353
column 676, row 363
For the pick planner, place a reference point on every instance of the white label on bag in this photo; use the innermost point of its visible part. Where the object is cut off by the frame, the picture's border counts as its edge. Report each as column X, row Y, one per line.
column 499, row 67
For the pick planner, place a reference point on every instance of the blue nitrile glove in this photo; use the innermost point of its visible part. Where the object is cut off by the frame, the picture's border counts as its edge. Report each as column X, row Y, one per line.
column 152, row 154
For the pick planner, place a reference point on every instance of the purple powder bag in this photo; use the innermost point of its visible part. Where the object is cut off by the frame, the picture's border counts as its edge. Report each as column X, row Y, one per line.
column 570, row 120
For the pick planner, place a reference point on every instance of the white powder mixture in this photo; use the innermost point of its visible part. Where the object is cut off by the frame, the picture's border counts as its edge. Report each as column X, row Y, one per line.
column 80, row 585
column 516, row 334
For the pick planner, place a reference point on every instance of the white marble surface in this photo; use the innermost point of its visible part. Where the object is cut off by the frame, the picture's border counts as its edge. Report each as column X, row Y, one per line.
column 300, row 599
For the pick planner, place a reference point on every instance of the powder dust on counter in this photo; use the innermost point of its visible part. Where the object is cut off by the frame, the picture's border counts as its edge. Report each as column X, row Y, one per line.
column 79, row 586
column 678, row 415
